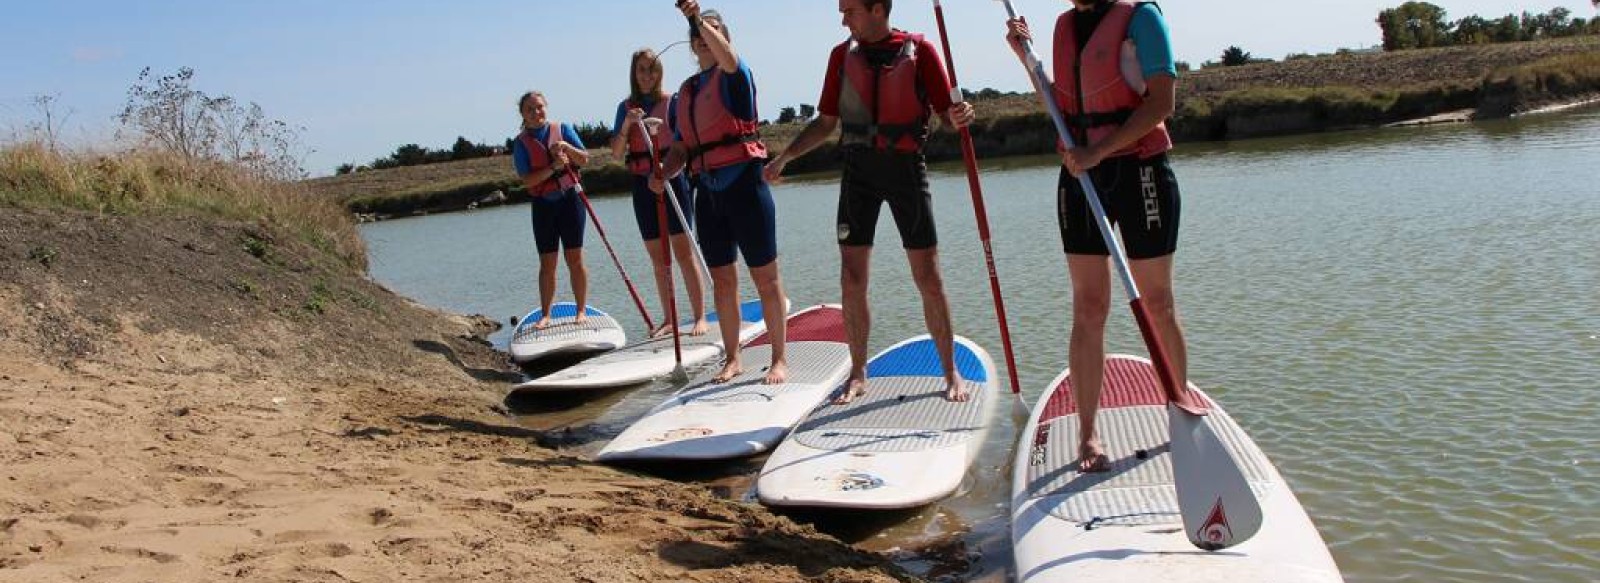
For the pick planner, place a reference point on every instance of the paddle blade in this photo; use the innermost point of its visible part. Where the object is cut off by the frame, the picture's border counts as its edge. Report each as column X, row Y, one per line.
column 1219, row 509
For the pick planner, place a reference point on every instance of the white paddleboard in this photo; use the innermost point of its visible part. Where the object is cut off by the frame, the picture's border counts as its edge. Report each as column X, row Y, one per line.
column 900, row 445
column 744, row 417
column 643, row 361
column 598, row 333
column 1124, row 524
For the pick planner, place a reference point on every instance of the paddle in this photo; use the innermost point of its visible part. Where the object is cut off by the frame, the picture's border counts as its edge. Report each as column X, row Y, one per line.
column 970, row 156
column 1219, row 510
column 648, row 324
column 650, row 124
column 678, row 373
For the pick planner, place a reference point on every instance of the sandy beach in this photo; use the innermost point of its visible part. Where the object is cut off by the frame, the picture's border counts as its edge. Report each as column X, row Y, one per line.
column 180, row 407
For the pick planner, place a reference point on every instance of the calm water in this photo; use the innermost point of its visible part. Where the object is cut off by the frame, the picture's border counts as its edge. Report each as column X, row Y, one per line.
column 1407, row 321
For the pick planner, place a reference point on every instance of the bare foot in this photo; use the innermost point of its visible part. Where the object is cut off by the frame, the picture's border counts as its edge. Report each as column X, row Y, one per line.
column 955, row 391
column 778, row 373
column 730, row 369
column 856, row 387
column 543, row 323
column 581, row 319
column 1092, row 458
column 700, row 327
column 661, row 331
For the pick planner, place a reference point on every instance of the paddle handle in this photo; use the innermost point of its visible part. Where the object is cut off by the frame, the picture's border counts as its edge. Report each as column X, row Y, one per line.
column 1041, row 83
column 637, row 301
column 969, row 155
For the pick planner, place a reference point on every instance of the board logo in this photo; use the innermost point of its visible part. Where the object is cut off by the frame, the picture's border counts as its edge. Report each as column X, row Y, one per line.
column 683, row 433
column 844, row 231
column 1041, row 439
column 1215, row 533
column 855, row 481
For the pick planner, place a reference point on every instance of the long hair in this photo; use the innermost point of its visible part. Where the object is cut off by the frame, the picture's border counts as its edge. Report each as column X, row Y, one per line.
column 694, row 31
column 642, row 94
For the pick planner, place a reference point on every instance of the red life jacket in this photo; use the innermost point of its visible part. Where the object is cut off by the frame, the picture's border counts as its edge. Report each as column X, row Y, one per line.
column 540, row 157
column 1100, row 93
column 883, row 107
column 715, row 137
column 638, row 156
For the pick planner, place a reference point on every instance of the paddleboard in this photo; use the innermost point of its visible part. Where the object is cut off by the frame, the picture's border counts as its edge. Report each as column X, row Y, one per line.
column 598, row 333
column 643, row 361
column 744, row 416
column 900, row 445
column 1124, row 524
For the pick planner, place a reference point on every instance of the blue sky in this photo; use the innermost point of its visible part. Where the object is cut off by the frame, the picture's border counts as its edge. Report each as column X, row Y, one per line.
column 364, row 77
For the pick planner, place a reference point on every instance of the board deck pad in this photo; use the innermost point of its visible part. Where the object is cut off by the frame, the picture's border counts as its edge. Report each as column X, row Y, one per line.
column 1125, row 523
column 744, row 416
column 873, row 451
column 598, row 332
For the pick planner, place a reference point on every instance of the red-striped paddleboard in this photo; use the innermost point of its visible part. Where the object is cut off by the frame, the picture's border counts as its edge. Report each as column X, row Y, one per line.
column 1124, row 525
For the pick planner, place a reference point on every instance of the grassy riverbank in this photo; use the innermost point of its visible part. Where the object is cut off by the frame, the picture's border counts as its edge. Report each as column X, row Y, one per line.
column 1302, row 95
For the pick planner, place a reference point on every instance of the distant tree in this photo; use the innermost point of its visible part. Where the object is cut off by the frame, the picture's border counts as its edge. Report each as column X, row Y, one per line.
column 1413, row 25
column 1472, row 30
column 344, row 169
column 594, row 135
column 1183, row 66
column 463, row 149
column 1235, row 56
column 48, row 129
column 786, row 115
column 806, row 111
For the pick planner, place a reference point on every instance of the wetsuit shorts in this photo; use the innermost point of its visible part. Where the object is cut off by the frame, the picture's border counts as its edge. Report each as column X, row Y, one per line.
column 558, row 221
column 873, row 177
column 646, row 213
column 1139, row 196
column 738, row 219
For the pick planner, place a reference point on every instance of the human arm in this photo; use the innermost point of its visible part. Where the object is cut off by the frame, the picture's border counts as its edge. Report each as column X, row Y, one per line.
column 720, row 46
column 816, row 132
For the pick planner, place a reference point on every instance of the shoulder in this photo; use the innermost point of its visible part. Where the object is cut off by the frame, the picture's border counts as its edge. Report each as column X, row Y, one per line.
column 1148, row 13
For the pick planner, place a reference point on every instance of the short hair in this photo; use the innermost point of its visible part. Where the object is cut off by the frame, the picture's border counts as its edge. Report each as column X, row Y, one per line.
column 888, row 5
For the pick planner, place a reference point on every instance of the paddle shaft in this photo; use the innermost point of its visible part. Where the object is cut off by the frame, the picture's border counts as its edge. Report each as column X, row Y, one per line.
column 672, row 198
column 970, row 156
column 637, row 301
column 666, row 252
column 1158, row 352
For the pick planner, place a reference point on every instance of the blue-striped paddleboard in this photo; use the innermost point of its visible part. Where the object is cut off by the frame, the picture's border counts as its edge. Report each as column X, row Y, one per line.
column 900, row 445
column 598, row 333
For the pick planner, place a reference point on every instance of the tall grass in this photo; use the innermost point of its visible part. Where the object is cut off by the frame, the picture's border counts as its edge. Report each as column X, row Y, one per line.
column 148, row 182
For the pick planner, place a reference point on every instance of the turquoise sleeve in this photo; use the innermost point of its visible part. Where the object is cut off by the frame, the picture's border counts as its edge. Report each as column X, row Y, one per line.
column 1148, row 29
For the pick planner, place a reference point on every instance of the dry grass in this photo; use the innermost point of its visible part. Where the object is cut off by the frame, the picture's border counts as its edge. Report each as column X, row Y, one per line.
column 151, row 182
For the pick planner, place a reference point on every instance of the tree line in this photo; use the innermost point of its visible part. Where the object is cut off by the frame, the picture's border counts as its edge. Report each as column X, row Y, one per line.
column 1416, row 25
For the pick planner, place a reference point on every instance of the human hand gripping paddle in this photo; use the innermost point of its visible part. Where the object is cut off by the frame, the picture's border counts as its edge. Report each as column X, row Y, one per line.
column 970, row 156
column 1219, row 509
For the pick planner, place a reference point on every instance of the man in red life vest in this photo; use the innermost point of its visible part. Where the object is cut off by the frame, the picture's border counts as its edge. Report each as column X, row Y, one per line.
column 882, row 86
column 1115, row 82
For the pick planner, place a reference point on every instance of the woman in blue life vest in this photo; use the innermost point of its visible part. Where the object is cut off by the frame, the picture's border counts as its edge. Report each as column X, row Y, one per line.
column 1115, row 82
column 647, row 100
column 547, row 156
column 715, row 138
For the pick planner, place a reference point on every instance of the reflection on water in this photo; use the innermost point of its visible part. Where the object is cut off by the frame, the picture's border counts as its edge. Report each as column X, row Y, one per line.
column 1407, row 321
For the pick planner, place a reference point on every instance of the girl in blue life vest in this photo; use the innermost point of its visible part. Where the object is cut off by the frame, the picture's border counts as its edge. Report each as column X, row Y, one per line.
column 647, row 100
column 547, row 156
column 715, row 138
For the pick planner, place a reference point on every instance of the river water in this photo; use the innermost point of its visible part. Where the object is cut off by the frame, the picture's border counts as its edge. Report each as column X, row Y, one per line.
column 1406, row 320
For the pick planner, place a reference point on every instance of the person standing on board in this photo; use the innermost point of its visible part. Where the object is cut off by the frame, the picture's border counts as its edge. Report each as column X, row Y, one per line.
column 1115, row 82
column 715, row 137
column 647, row 100
column 547, row 156
column 882, row 86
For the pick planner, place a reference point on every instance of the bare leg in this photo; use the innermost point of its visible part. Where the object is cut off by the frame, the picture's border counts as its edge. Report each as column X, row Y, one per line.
column 936, row 313
column 547, row 288
column 580, row 282
column 855, row 265
column 690, row 267
column 725, row 291
column 774, row 310
column 1154, row 278
column 1091, row 302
